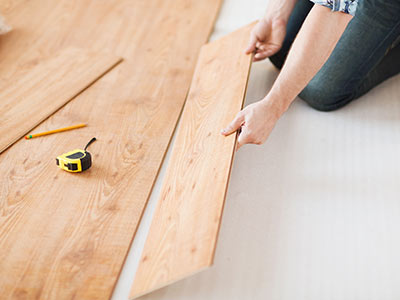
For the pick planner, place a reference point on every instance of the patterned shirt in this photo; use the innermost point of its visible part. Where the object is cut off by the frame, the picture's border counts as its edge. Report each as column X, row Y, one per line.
column 346, row 6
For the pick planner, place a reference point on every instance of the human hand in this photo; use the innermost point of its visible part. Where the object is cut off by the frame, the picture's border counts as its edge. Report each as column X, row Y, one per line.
column 266, row 38
column 256, row 122
column 4, row 28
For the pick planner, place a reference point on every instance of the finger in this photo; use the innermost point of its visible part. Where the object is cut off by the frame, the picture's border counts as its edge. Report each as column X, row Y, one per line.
column 261, row 47
column 234, row 125
column 252, row 44
column 261, row 55
column 271, row 49
column 268, row 51
column 243, row 138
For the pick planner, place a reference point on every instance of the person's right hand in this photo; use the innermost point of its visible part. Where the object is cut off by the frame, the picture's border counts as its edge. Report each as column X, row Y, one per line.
column 266, row 38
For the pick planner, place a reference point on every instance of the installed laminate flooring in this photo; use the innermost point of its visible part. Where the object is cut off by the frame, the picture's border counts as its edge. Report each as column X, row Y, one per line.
column 66, row 235
column 30, row 96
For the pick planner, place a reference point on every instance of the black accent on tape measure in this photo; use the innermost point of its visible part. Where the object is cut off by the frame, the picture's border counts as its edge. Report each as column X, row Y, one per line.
column 86, row 162
column 73, row 167
column 88, row 144
column 76, row 155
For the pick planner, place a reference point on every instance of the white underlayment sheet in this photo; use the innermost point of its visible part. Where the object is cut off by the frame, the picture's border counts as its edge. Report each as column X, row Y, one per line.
column 312, row 214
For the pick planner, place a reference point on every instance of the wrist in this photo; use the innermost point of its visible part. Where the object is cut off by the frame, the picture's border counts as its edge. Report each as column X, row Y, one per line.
column 278, row 104
column 275, row 20
column 279, row 11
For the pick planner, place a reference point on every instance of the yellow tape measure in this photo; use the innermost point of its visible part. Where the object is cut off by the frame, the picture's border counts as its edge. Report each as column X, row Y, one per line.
column 76, row 160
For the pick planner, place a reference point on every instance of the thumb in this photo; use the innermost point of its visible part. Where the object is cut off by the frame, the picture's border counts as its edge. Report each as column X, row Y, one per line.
column 251, row 47
column 234, row 125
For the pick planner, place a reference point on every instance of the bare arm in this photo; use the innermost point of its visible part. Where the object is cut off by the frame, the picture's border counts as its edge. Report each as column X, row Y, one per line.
column 310, row 50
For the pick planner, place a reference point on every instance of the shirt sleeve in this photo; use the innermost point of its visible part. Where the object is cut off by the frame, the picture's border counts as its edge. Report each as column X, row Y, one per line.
column 346, row 6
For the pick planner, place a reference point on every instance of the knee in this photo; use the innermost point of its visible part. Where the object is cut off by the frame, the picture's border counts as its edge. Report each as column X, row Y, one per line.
column 324, row 96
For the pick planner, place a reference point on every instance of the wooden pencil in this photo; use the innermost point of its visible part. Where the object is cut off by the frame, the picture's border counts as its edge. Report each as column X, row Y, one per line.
column 31, row 136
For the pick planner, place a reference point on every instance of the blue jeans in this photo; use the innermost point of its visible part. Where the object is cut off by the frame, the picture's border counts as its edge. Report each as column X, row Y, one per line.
column 367, row 54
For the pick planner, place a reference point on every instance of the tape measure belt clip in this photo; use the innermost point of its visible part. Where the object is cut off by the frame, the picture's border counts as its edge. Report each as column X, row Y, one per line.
column 68, row 166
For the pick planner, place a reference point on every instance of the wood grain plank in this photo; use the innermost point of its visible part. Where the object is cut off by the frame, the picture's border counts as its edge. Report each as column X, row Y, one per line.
column 184, row 230
column 66, row 236
column 30, row 96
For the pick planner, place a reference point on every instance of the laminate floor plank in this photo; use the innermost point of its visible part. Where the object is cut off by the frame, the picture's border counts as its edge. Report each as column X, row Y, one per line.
column 66, row 236
column 184, row 230
column 29, row 99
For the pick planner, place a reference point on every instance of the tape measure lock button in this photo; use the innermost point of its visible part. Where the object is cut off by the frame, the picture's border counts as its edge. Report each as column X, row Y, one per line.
column 75, row 161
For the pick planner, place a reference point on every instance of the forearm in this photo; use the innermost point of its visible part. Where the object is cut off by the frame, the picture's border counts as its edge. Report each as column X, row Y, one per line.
column 279, row 9
column 312, row 47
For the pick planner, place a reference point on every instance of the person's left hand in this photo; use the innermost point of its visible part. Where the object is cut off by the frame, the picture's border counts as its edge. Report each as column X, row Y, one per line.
column 256, row 122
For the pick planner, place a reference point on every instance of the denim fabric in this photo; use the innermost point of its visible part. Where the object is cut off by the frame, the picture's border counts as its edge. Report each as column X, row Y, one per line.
column 367, row 54
column 346, row 6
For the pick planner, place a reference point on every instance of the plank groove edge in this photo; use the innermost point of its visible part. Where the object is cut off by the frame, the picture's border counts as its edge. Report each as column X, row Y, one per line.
column 184, row 230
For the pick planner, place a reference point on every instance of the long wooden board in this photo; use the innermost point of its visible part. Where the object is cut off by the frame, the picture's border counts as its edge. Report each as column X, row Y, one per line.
column 66, row 236
column 30, row 96
column 184, row 230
